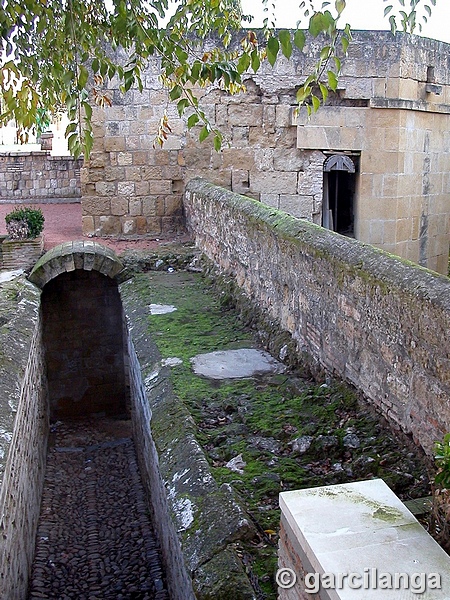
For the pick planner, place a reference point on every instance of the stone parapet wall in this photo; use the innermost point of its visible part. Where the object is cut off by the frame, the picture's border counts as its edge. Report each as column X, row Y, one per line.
column 24, row 426
column 368, row 317
column 38, row 177
column 197, row 521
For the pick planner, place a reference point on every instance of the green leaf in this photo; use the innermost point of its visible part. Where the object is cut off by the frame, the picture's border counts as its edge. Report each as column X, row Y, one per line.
column 303, row 93
column 325, row 53
column 272, row 50
column 256, row 61
column 243, row 63
column 217, row 142
column 332, row 80
column 87, row 109
column 286, row 45
column 182, row 105
column 192, row 120
column 315, row 102
column 176, row 92
column 204, row 132
column 317, row 24
column 388, row 9
column 88, row 143
column 299, row 39
column 323, row 91
column 344, row 43
column 340, row 6
column 71, row 127
column 83, row 76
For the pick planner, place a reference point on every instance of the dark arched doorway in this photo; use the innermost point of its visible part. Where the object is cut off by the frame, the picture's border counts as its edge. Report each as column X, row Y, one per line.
column 339, row 185
column 84, row 347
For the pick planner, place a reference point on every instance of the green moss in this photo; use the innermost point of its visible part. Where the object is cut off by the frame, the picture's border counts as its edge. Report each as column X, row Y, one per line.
column 261, row 417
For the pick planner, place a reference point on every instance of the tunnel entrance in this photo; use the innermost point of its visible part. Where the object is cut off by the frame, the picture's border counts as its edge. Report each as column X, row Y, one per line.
column 84, row 346
column 95, row 536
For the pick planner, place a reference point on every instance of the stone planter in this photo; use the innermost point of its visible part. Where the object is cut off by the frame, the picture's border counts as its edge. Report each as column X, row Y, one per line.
column 21, row 254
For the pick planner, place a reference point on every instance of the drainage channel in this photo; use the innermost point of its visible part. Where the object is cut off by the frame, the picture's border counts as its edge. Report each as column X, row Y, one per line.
column 95, row 539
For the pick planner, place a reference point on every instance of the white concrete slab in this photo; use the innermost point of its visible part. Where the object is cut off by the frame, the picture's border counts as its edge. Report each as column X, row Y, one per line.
column 235, row 364
column 161, row 309
column 361, row 526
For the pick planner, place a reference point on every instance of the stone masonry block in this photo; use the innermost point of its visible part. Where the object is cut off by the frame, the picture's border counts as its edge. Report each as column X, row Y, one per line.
column 268, row 182
column 115, row 144
column 151, row 173
column 154, row 225
column 125, row 188
column 245, row 114
column 124, row 158
column 240, row 181
column 119, row 206
column 141, row 225
column 128, row 226
column 98, row 159
column 96, row 205
column 297, row 206
column 152, row 206
column 109, row 225
column 173, row 205
column 135, row 207
column 271, row 200
column 293, row 160
column 105, row 188
column 162, row 186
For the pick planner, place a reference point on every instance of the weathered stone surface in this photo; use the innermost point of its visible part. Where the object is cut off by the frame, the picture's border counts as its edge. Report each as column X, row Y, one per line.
column 39, row 177
column 244, row 362
column 210, row 583
column 205, row 519
column 375, row 320
column 76, row 255
column 23, row 406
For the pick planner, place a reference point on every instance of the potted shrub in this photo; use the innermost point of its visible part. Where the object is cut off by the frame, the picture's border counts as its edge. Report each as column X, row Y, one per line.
column 25, row 242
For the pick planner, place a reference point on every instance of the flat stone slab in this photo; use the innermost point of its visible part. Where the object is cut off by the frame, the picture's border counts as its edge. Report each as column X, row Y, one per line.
column 362, row 528
column 161, row 309
column 235, row 364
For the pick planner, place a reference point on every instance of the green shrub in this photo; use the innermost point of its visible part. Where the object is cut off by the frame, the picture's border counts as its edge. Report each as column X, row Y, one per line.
column 25, row 222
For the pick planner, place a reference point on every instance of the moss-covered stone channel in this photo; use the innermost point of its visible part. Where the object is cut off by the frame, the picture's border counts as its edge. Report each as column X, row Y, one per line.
column 290, row 431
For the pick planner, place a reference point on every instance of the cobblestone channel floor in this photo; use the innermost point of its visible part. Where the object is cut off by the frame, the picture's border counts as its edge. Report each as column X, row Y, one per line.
column 95, row 539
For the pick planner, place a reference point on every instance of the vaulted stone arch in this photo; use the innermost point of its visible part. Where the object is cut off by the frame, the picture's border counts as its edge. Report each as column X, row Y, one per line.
column 84, row 255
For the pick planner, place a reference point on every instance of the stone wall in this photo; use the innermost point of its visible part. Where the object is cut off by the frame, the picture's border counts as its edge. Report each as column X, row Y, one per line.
column 24, row 423
column 382, row 116
column 370, row 318
column 197, row 521
column 38, row 177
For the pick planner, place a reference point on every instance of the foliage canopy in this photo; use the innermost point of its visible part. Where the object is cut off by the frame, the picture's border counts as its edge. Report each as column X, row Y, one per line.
column 56, row 54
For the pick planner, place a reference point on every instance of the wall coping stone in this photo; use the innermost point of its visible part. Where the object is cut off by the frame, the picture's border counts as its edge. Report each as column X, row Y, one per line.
column 361, row 527
column 351, row 254
column 78, row 254
column 19, row 312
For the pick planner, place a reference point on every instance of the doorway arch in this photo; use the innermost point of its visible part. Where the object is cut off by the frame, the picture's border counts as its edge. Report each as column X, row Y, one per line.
column 339, row 187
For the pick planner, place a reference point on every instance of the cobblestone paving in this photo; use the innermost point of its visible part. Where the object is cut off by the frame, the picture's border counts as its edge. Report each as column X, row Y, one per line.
column 95, row 540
